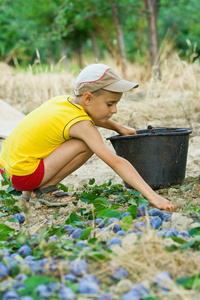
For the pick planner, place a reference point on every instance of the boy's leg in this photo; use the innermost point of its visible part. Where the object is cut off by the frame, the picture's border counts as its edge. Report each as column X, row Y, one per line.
column 65, row 159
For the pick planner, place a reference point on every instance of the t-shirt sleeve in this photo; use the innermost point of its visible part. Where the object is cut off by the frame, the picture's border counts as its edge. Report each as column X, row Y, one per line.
column 73, row 121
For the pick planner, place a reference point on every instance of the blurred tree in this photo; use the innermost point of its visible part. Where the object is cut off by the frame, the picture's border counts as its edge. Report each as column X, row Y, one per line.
column 67, row 27
column 152, row 14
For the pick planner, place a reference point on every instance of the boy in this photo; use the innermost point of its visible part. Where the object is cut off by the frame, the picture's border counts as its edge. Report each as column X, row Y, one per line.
column 60, row 136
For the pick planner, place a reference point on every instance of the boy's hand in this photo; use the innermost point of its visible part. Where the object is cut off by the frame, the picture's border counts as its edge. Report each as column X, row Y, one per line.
column 162, row 203
column 124, row 130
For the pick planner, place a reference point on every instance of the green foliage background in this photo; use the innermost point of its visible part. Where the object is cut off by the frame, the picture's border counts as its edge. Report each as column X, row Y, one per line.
column 64, row 26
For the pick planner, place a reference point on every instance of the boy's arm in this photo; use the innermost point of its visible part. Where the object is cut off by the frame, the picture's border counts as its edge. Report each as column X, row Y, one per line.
column 121, row 129
column 89, row 134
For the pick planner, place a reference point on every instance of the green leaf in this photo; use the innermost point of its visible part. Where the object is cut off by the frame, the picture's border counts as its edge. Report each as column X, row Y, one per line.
column 91, row 181
column 189, row 187
column 100, row 203
column 9, row 201
column 197, row 209
column 126, row 223
column 143, row 201
column 109, row 213
column 86, row 233
column 4, row 182
column 115, row 206
column 132, row 201
column 3, row 214
column 190, row 282
column 109, row 183
column 33, row 281
column 63, row 187
column 97, row 255
column 13, row 220
column 194, row 231
column 5, row 232
column 71, row 218
column 132, row 209
column 188, row 206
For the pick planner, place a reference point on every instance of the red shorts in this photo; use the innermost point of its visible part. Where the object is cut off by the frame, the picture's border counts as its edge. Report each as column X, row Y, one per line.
column 27, row 182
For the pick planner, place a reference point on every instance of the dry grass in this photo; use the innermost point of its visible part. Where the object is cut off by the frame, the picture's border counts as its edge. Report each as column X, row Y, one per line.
column 146, row 257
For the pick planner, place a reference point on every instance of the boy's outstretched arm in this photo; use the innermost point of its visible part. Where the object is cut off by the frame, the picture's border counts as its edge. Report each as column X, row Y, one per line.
column 121, row 129
column 89, row 134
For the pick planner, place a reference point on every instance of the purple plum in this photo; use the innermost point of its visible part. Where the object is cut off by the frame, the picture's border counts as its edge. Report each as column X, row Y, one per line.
column 184, row 234
column 115, row 241
column 155, row 212
column 162, row 281
column 119, row 273
column 105, row 297
column 140, row 226
column 171, row 232
column 78, row 266
column 125, row 214
column 113, row 220
column 121, row 233
column 9, row 295
column 88, row 287
column 66, row 293
column 4, row 270
column 19, row 217
column 155, row 222
column 141, row 210
column 77, row 233
column 70, row 277
column 24, row 250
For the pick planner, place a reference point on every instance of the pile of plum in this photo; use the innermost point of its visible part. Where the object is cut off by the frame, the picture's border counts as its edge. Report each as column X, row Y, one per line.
column 13, row 282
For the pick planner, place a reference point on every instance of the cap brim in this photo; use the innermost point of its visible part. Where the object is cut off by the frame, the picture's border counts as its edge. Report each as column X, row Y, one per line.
column 121, row 86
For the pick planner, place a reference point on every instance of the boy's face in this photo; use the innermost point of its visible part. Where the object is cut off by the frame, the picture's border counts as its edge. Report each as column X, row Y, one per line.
column 101, row 108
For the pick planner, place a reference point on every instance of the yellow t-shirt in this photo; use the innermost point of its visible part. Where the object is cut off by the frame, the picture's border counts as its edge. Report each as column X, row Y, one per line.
column 39, row 133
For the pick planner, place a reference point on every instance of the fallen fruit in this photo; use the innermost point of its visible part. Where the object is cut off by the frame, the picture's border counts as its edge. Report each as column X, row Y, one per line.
column 140, row 226
column 114, row 241
column 155, row 212
column 155, row 222
column 162, row 281
column 24, row 250
column 19, row 217
column 77, row 233
column 141, row 210
column 78, row 266
column 88, row 287
column 184, row 234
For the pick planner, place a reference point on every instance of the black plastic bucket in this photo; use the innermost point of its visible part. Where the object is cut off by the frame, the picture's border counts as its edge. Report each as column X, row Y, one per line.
column 158, row 154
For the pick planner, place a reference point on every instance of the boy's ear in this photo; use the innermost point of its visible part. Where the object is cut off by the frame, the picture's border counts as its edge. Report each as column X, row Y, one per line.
column 87, row 97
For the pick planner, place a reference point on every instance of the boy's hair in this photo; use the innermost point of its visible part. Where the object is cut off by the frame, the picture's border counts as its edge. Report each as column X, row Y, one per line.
column 100, row 76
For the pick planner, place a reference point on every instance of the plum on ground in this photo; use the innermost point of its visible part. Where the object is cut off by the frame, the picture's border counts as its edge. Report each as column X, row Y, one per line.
column 155, row 222
column 119, row 273
column 77, row 233
column 88, row 287
column 4, row 270
column 114, row 241
column 19, row 217
column 155, row 212
column 78, row 266
column 65, row 293
column 140, row 226
column 9, row 295
column 24, row 250
column 141, row 210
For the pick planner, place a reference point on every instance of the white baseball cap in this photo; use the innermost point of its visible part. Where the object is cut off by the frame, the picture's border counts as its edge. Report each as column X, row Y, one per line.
column 100, row 76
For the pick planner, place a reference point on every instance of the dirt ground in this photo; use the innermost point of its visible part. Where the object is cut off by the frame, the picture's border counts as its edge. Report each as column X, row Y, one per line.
column 138, row 111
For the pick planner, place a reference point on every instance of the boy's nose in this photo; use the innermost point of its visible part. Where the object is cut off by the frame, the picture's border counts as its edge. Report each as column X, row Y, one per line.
column 114, row 109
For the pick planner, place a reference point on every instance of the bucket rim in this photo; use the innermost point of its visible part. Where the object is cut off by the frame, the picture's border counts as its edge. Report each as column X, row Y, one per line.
column 155, row 131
